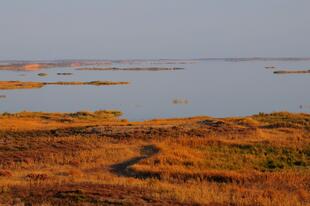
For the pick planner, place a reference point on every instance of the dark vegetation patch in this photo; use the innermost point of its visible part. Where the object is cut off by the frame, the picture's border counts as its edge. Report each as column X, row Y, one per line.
column 89, row 194
column 259, row 157
column 283, row 120
column 42, row 74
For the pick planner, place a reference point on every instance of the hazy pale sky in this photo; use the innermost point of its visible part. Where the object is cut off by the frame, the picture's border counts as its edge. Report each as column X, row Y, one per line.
column 115, row 29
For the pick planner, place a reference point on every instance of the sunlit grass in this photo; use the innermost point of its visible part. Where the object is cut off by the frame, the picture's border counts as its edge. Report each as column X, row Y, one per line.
column 202, row 160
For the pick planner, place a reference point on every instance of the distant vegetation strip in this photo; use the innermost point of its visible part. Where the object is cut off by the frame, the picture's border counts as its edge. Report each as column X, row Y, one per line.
column 26, row 67
column 66, row 116
column 8, row 85
column 292, row 72
column 38, row 65
column 131, row 69
column 95, row 83
column 65, row 73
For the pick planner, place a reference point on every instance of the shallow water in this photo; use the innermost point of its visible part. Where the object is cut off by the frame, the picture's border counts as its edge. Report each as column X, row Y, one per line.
column 214, row 88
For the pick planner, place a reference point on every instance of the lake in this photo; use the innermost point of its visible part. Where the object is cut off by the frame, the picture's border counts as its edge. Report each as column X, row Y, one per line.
column 213, row 88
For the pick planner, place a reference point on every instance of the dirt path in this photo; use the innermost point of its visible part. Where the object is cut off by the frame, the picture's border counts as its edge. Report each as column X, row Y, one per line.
column 123, row 168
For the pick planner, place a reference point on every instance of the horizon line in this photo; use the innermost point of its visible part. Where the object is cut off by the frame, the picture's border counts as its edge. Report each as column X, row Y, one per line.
column 162, row 59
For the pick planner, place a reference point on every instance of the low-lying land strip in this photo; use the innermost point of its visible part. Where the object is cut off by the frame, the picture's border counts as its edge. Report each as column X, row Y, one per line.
column 65, row 73
column 26, row 67
column 38, row 65
column 270, row 67
column 292, row 72
column 9, row 85
column 96, row 158
column 131, row 69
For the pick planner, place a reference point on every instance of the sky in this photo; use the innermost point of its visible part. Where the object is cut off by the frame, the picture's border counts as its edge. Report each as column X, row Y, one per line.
column 131, row 29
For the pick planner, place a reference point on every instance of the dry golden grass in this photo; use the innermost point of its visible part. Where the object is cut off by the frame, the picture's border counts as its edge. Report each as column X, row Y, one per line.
column 93, row 158
column 32, row 67
column 9, row 85
column 25, row 67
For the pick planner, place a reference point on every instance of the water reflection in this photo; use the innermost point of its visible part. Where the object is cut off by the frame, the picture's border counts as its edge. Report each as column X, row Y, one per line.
column 215, row 88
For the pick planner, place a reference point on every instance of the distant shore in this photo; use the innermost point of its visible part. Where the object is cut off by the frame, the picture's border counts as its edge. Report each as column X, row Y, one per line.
column 34, row 65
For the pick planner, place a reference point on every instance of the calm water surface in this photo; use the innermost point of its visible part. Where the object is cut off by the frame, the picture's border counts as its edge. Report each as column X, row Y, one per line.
column 214, row 88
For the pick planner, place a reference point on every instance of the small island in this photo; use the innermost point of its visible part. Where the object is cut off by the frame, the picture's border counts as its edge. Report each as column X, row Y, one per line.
column 292, row 72
column 26, row 66
column 10, row 85
column 64, row 74
column 270, row 67
column 131, row 69
column 43, row 74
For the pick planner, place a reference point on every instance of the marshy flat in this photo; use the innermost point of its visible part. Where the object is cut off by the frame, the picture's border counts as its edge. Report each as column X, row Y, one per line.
column 194, row 115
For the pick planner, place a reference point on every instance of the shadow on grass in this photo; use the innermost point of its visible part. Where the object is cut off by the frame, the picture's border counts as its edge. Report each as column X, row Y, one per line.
column 124, row 168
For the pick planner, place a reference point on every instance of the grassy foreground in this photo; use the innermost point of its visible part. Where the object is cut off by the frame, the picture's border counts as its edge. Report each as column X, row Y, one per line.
column 95, row 158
